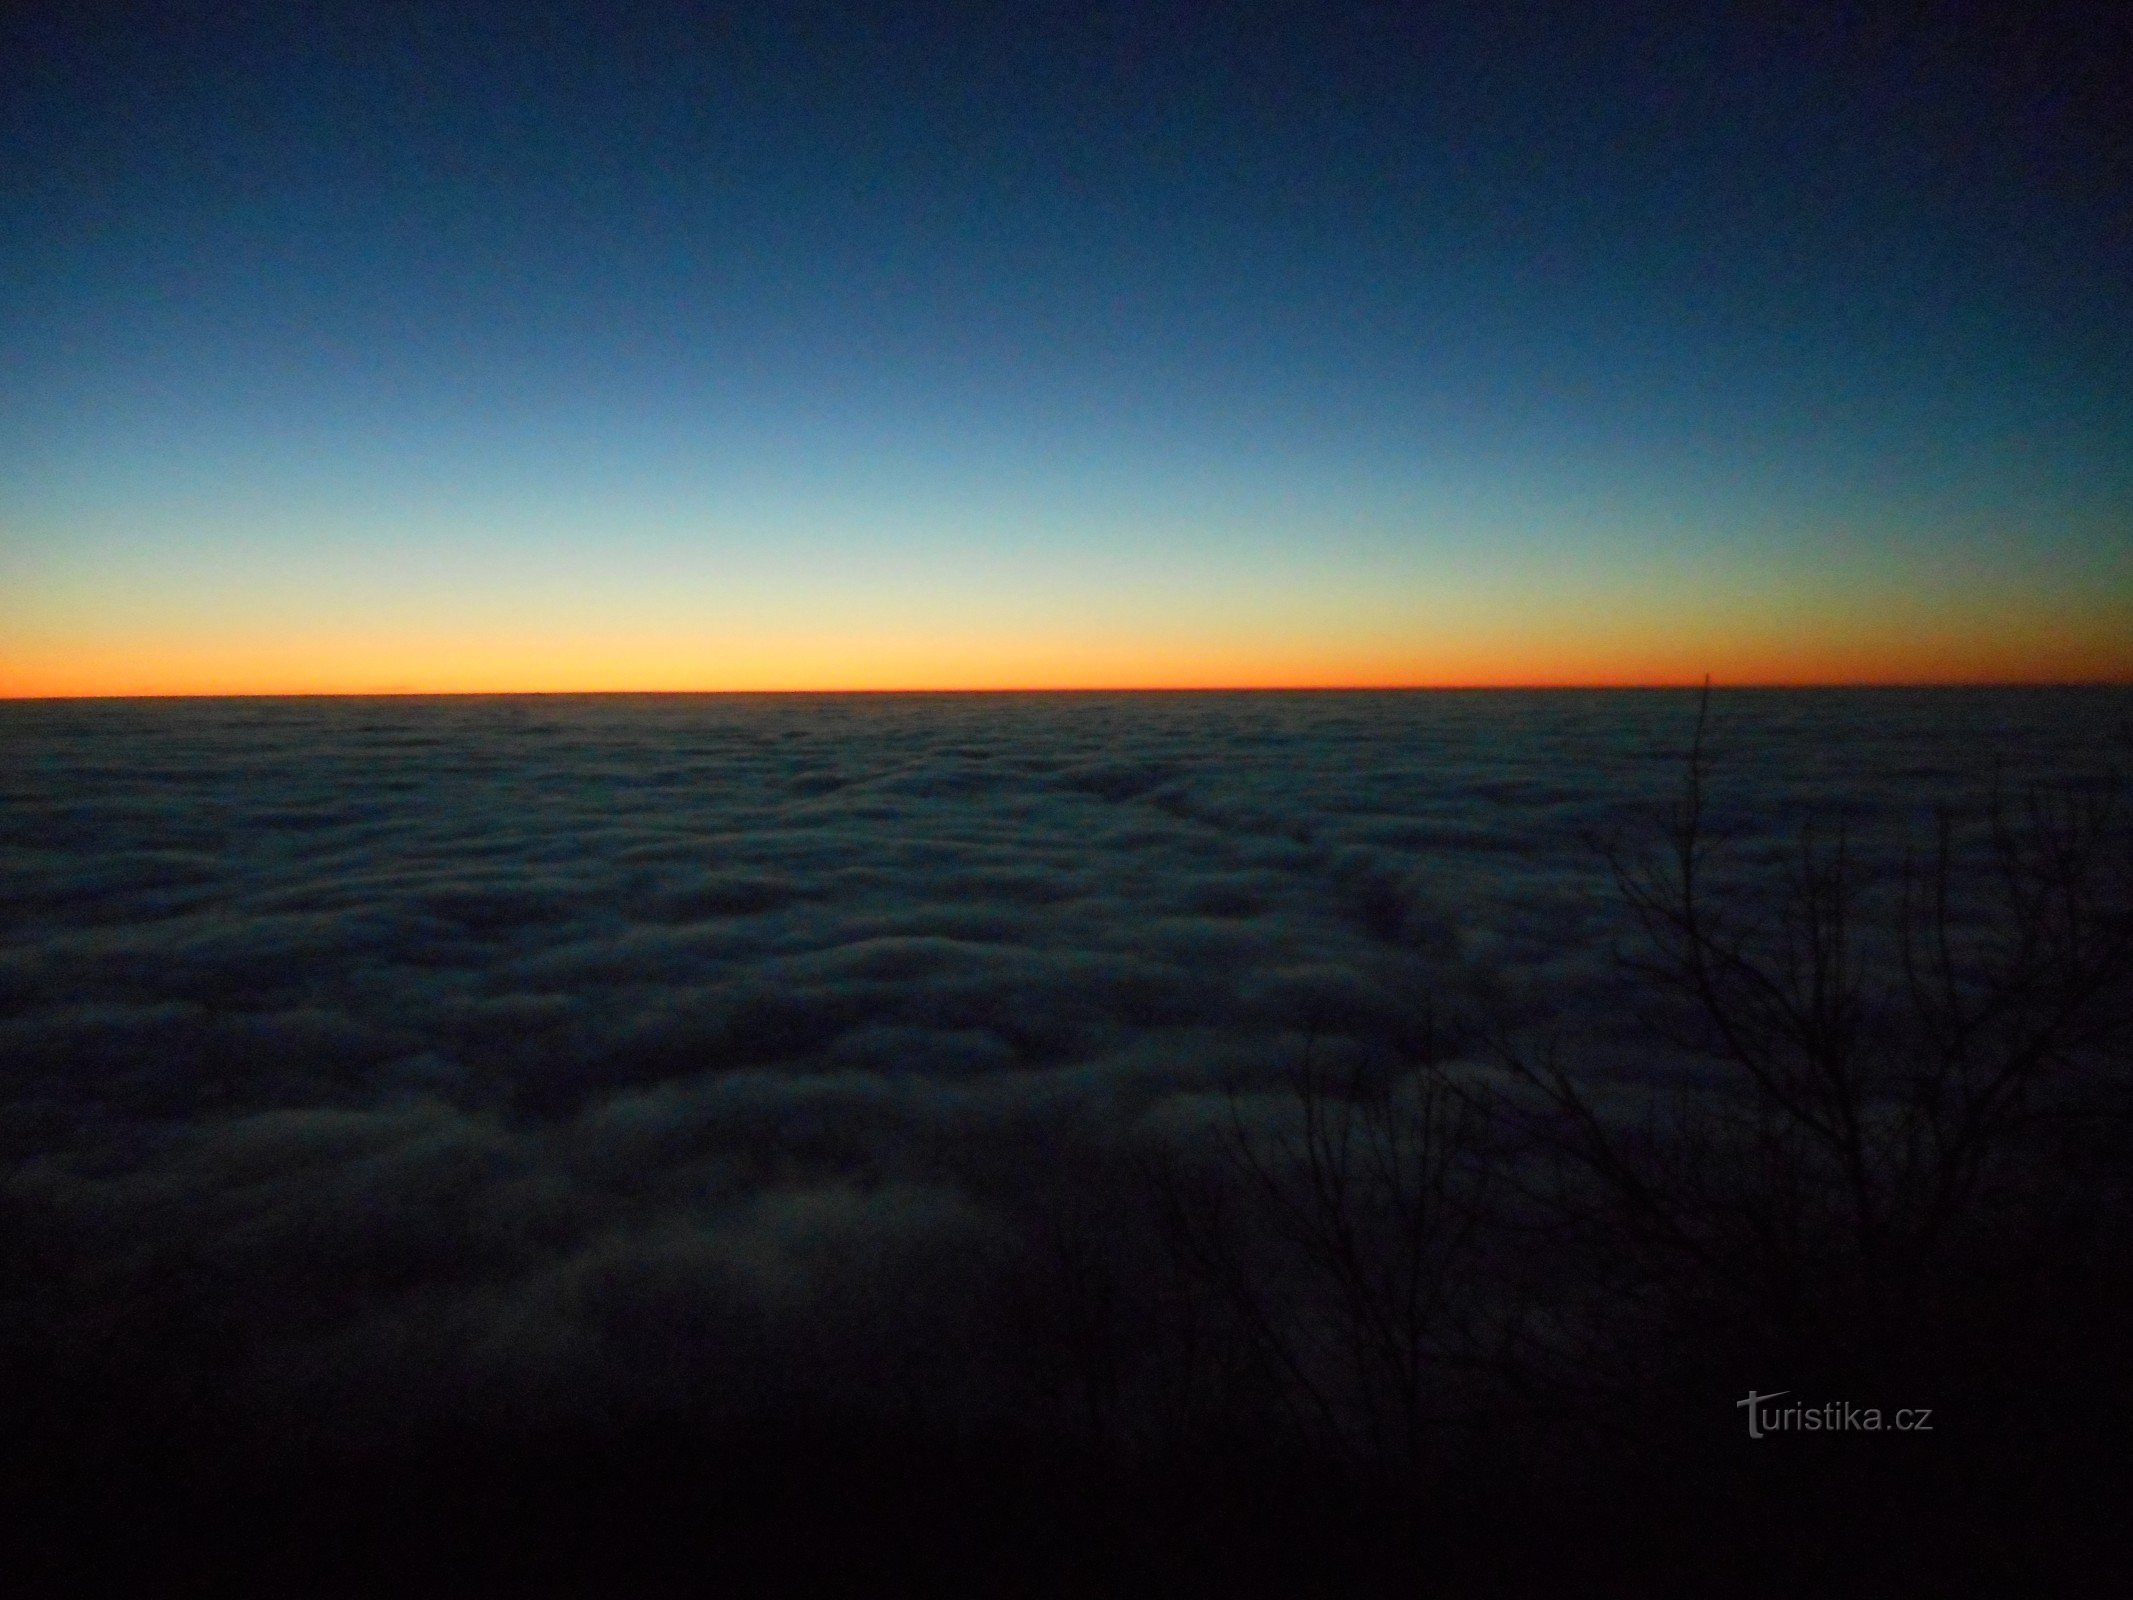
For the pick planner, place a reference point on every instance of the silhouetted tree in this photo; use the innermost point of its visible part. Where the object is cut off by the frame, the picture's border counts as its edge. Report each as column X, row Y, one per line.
column 1903, row 1077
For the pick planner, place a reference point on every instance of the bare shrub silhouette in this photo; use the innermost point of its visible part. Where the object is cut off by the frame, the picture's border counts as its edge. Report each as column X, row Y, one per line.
column 1918, row 1097
column 1338, row 1231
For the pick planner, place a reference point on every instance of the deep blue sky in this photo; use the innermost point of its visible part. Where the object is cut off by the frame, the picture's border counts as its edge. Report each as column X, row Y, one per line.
column 551, row 346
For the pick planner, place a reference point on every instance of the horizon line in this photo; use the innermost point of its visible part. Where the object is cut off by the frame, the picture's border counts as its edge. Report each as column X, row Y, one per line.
column 1535, row 687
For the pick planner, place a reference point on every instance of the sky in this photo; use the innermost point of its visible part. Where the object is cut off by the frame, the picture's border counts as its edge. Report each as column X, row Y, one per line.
column 553, row 347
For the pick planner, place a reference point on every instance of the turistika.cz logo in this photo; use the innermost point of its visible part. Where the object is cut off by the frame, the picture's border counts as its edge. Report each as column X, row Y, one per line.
column 1833, row 1416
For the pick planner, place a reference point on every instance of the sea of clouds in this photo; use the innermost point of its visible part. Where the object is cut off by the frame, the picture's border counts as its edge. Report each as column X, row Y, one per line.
column 363, row 1060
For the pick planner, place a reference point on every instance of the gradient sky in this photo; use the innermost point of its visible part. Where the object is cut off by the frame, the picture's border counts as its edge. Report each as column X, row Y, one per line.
column 695, row 347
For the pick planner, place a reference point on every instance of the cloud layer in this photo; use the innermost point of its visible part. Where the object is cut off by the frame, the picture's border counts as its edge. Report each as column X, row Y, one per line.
column 395, row 1058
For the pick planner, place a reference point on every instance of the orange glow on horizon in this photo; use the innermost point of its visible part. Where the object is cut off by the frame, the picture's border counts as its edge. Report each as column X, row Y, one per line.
column 355, row 665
